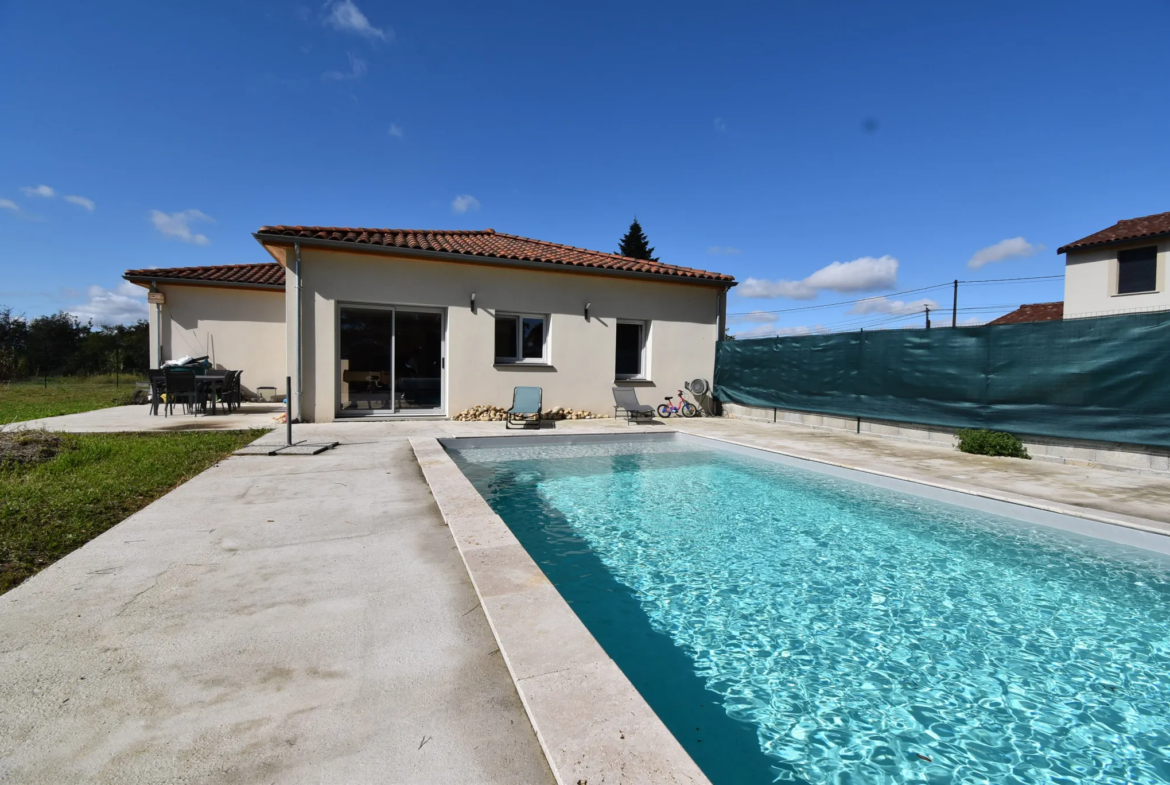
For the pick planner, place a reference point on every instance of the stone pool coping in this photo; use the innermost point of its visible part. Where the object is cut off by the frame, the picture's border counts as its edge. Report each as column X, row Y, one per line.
column 592, row 724
column 1112, row 518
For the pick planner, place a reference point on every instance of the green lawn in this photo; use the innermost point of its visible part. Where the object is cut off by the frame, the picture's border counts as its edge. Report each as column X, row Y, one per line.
column 95, row 481
column 31, row 400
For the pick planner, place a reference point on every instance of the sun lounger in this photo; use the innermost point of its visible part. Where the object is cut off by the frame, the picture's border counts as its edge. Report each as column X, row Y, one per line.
column 525, row 406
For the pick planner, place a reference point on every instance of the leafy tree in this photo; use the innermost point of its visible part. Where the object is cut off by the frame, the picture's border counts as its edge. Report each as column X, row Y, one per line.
column 13, row 340
column 61, row 344
column 635, row 244
column 53, row 341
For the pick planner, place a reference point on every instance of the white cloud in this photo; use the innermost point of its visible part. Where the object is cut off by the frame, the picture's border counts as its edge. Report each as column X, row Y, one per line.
column 81, row 201
column 884, row 305
column 126, row 303
column 766, row 290
column 40, row 190
column 348, row 18
column 1005, row 249
column 859, row 275
column 8, row 204
column 755, row 316
column 178, row 225
column 396, row 130
column 720, row 126
column 357, row 69
column 723, row 249
column 463, row 203
column 759, row 331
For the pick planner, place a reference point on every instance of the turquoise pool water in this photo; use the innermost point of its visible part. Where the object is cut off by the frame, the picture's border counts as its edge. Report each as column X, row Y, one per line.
column 792, row 626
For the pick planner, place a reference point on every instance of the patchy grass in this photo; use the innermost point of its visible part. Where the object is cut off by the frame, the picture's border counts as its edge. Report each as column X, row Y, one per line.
column 48, row 509
column 31, row 400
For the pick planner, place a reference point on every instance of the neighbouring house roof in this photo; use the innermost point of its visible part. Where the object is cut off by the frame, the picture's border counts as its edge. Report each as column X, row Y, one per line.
column 268, row 275
column 1123, row 231
column 485, row 244
column 1037, row 312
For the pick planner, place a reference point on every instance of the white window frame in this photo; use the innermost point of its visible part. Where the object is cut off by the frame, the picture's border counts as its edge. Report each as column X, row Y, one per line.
column 545, row 353
column 643, row 359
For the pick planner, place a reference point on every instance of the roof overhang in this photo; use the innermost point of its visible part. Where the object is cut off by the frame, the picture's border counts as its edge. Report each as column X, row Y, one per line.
column 277, row 247
column 1145, row 238
column 149, row 281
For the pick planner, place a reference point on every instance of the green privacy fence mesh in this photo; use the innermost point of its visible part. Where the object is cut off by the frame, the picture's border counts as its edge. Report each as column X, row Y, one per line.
column 1105, row 379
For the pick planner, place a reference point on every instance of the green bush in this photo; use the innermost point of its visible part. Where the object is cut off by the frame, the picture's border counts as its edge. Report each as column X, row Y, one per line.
column 986, row 442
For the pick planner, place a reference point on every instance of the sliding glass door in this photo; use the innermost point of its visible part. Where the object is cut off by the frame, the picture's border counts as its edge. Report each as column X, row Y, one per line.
column 391, row 361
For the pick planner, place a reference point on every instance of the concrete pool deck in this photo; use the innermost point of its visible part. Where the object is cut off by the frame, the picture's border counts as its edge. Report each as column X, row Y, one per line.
column 306, row 618
column 137, row 417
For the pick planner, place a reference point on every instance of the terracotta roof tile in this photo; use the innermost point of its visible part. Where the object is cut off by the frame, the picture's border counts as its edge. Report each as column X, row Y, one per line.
column 491, row 244
column 1122, row 231
column 267, row 274
column 1037, row 312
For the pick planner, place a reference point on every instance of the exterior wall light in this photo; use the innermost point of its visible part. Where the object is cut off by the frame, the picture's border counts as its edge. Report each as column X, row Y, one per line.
column 587, row 305
column 473, row 302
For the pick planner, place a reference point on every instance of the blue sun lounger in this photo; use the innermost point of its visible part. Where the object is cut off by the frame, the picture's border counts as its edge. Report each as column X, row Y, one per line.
column 525, row 407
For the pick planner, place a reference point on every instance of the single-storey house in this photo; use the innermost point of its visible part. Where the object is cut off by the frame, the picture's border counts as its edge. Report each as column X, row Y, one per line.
column 1119, row 269
column 400, row 322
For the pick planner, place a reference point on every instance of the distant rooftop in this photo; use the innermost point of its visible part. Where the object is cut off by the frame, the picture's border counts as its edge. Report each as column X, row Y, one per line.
column 1037, row 312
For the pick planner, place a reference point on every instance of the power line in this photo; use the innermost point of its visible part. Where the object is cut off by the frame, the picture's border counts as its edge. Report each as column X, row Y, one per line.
column 1010, row 280
column 907, row 291
column 845, row 302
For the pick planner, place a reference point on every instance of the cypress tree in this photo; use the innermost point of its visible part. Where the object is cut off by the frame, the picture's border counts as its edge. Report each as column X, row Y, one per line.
column 635, row 244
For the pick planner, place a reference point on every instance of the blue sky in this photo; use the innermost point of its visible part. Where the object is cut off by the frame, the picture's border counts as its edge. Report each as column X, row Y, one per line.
column 765, row 140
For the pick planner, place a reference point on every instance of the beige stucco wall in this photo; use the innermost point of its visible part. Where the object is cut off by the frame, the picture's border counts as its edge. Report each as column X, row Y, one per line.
column 683, row 327
column 1090, row 282
column 238, row 329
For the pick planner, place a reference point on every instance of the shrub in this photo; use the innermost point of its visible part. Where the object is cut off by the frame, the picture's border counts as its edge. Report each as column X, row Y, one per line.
column 984, row 442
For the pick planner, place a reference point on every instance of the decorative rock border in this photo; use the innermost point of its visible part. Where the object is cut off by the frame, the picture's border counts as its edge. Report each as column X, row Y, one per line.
column 592, row 723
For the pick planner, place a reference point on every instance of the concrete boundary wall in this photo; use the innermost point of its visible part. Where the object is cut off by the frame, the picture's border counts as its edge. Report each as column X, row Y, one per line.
column 1105, row 455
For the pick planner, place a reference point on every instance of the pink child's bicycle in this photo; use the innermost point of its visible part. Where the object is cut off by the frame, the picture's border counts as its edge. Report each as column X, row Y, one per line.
column 685, row 407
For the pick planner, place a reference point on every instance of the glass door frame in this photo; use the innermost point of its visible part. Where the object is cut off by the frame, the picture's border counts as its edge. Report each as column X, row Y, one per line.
column 394, row 411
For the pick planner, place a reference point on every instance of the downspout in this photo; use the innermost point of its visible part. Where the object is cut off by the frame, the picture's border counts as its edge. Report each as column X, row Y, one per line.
column 300, row 374
column 157, row 328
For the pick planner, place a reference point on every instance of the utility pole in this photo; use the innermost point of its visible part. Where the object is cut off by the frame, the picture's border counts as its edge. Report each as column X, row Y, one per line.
column 927, row 317
column 955, row 306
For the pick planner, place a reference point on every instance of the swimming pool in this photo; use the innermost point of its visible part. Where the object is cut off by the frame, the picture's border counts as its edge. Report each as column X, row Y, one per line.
column 797, row 625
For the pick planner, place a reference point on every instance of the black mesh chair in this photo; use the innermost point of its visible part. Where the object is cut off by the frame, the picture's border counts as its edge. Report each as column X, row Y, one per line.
column 182, row 387
column 158, row 388
column 230, row 392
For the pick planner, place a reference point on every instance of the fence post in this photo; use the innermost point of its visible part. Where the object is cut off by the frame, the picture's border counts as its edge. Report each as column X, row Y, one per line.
column 288, row 409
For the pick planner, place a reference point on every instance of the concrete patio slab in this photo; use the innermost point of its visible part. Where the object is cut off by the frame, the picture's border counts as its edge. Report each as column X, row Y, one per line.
column 268, row 621
column 139, row 418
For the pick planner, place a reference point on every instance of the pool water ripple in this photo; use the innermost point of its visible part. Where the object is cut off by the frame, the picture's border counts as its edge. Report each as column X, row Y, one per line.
column 865, row 635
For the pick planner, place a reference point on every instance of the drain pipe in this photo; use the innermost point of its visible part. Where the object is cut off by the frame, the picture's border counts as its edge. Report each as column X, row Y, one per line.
column 300, row 372
column 157, row 328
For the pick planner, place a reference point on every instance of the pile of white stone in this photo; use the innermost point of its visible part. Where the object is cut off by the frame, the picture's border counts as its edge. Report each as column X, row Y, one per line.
column 488, row 413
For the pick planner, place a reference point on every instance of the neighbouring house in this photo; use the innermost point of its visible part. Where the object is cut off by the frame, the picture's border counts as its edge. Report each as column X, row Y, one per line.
column 1036, row 312
column 400, row 322
column 1119, row 269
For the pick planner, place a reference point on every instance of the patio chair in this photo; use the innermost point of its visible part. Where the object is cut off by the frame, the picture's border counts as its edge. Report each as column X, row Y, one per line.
column 182, row 387
column 626, row 399
column 158, row 388
column 231, row 390
column 526, row 403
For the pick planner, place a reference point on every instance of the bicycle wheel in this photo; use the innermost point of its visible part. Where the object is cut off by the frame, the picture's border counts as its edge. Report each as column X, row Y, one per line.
column 663, row 410
column 689, row 410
